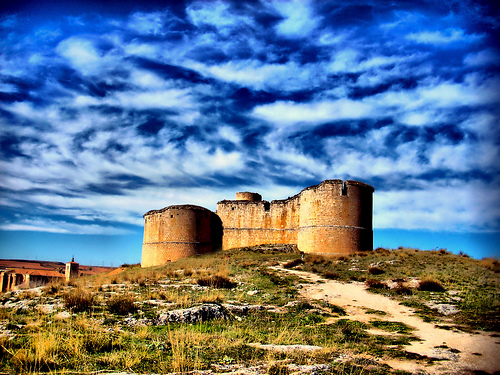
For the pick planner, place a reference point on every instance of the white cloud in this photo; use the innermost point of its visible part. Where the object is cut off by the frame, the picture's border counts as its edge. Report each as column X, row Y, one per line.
column 482, row 58
column 216, row 13
column 259, row 75
column 147, row 23
column 290, row 113
column 82, row 54
column 173, row 98
column 51, row 226
column 459, row 207
column 446, row 37
column 300, row 19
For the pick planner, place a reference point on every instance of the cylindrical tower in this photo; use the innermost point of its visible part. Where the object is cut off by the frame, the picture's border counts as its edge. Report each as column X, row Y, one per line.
column 336, row 218
column 248, row 196
column 176, row 232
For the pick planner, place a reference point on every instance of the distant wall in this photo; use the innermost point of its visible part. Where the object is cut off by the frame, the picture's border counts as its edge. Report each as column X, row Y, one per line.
column 177, row 232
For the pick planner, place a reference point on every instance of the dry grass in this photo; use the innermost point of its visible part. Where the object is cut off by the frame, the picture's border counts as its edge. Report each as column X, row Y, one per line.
column 78, row 300
column 375, row 284
column 492, row 264
column 375, row 271
column 216, row 281
column 121, row 304
column 430, row 285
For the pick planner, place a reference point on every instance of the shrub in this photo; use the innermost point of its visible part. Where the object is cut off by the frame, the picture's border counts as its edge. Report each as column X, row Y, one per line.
column 293, row 263
column 375, row 271
column 430, row 285
column 490, row 263
column 331, row 275
column 402, row 290
column 315, row 259
column 121, row 304
column 78, row 300
column 375, row 284
column 278, row 369
column 216, row 281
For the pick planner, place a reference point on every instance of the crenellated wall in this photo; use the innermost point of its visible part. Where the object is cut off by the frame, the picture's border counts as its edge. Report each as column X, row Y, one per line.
column 334, row 217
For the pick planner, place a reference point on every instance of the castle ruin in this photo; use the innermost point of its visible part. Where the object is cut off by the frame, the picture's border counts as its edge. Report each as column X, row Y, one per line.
column 334, row 217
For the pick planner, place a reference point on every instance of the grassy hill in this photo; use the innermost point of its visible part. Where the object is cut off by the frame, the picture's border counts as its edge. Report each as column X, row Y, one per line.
column 125, row 320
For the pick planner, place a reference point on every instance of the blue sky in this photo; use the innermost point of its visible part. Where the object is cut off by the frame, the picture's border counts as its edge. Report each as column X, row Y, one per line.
column 109, row 111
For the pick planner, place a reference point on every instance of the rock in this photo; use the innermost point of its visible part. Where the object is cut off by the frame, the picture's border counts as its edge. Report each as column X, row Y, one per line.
column 46, row 308
column 252, row 292
column 286, row 348
column 446, row 309
column 62, row 315
column 192, row 315
column 133, row 322
column 308, row 369
column 242, row 310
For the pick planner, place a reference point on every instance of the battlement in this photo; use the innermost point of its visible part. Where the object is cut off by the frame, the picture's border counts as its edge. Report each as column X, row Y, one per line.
column 333, row 217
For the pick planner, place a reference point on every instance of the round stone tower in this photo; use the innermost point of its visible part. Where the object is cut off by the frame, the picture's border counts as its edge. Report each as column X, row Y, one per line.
column 176, row 232
column 336, row 218
column 247, row 196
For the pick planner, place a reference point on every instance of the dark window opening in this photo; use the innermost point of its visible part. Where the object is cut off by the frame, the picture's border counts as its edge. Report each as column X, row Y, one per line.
column 266, row 206
column 344, row 188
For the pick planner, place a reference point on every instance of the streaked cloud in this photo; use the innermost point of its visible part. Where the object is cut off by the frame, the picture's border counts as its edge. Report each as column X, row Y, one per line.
column 106, row 116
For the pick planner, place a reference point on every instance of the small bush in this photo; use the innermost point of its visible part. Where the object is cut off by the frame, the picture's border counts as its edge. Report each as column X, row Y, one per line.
column 78, row 300
column 315, row 259
column 375, row 271
column 278, row 369
column 402, row 290
column 430, row 285
column 216, row 281
column 121, row 304
column 490, row 263
column 331, row 275
column 375, row 284
column 293, row 263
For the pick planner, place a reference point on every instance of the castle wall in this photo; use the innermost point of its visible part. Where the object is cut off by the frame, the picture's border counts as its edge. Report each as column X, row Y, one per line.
column 336, row 218
column 332, row 217
column 249, row 223
column 177, row 232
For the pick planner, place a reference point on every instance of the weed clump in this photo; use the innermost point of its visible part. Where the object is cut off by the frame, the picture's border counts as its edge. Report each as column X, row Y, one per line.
column 402, row 289
column 430, row 285
column 216, row 281
column 293, row 263
column 121, row 304
column 375, row 284
column 278, row 369
column 375, row 271
column 491, row 263
column 331, row 275
column 78, row 300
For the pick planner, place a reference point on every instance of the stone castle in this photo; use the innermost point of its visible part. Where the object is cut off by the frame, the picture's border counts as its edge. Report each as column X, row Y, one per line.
column 334, row 217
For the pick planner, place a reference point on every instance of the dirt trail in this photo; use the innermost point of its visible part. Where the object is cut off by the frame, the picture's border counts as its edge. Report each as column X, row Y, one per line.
column 476, row 351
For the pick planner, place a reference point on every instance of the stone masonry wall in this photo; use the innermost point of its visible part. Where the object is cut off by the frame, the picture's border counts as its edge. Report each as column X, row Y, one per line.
column 334, row 217
column 248, row 223
column 177, row 232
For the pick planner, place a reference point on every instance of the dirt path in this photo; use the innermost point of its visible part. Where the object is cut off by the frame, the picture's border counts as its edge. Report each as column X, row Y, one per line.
column 477, row 351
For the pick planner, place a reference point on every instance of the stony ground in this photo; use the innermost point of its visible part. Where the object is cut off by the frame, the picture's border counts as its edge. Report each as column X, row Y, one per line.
column 439, row 347
column 456, row 351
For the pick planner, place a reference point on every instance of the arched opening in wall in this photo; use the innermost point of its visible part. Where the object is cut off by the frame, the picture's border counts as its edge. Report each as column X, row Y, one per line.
column 266, row 206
